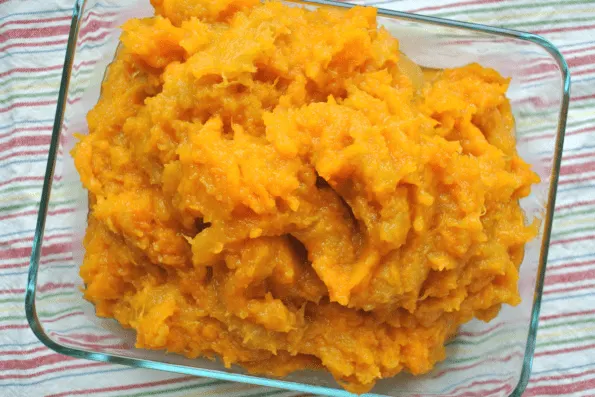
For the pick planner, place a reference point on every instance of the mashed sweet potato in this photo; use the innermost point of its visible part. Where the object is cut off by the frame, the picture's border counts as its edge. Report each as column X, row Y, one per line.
column 283, row 189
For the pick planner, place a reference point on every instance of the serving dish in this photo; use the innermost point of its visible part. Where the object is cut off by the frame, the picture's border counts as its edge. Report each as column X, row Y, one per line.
column 488, row 359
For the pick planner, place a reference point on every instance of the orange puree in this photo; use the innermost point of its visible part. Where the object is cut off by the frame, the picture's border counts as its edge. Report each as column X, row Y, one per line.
column 283, row 189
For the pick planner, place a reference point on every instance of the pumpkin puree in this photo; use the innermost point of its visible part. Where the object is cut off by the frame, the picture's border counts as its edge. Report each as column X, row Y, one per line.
column 283, row 189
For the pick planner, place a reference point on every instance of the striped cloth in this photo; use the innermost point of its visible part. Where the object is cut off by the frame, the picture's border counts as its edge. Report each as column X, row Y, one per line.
column 33, row 37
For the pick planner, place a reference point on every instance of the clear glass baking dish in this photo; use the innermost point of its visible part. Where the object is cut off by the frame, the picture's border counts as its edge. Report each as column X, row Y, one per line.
column 484, row 359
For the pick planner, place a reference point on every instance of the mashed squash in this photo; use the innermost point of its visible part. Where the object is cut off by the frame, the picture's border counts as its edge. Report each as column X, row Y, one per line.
column 283, row 189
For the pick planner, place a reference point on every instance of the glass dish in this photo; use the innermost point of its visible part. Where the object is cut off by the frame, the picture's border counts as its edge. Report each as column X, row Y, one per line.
column 484, row 359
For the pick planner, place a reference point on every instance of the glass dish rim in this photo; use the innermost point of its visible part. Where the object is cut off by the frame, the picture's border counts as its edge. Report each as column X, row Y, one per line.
column 30, row 306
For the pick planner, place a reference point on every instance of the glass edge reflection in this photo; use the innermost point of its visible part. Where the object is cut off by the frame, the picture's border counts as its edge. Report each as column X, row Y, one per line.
column 548, row 220
column 30, row 291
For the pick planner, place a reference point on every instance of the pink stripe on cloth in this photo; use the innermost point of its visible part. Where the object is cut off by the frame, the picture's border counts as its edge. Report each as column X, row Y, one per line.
column 33, row 33
column 86, row 392
column 46, row 68
column 447, row 5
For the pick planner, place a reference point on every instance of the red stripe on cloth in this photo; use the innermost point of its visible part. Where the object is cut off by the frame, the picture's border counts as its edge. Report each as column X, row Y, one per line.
column 30, row 238
column 62, row 317
column 43, row 288
column 483, row 332
column 46, row 68
column 25, row 141
column 583, row 97
column 23, row 129
column 573, row 240
column 572, row 62
column 459, row 4
column 96, row 24
column 59, row 30
column 13, row 253
column 560, row 389
column 580, row 60
column 541, row 103
column 13, row 326
column 562, row 377
column 577, row 168
column 75, row 343
column 28, row 153
column 23, row 352
column 570, row 277
column 98, row 14
column 34, row 44
column 571, row 265
column 41, row 262
column 72, row 102
column 92, row 338
column 32, row 21
column 52, row 370
column 538, row 102
column 44, row 261
column 547, row 136
column 33, row 212
column 573, row 205
column 122, row 388
column 89, row 337
column 50, row 31
column 475, row 384
column 26, row 104
column 54, row 286
column 99, row 37
column 569, row 289
column 553, row 73
column 575, row 50
column 477, row 364
column 67, row 18
column 50, row 320
column 569, row 314
column 39, row 361
column 581, row 72
column 91, row 346
column 31, row 70
column 565, row 29
column 483, row 393
column 12, row 291
column 564, row 351
column 577, row 156
column 576, row 180
column 574, row 74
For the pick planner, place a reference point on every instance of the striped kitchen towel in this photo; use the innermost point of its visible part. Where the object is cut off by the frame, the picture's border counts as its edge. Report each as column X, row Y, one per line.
column 33, row 36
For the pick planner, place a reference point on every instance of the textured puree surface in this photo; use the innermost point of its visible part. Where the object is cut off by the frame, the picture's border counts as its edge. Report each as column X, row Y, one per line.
column 284, row 189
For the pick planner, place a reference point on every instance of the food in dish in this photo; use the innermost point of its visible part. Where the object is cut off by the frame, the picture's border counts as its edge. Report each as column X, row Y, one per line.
column 283, row 189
